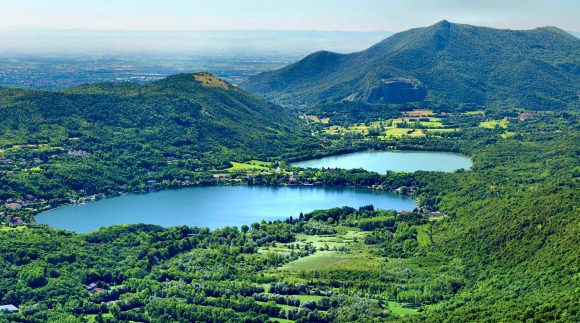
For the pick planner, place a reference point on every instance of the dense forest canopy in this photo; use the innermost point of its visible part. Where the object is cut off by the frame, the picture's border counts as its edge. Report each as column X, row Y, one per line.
column 506, row 250
column 104, row 136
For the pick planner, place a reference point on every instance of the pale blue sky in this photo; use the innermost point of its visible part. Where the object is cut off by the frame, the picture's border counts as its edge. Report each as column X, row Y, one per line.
column 352, row 15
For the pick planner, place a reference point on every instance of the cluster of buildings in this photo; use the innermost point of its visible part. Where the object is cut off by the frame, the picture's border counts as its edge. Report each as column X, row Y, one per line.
column 92, row 287
column 11, row 210
column 21, row 162
column 424, row 211
column 406, row 190
column 85, row 199
column 78, row 153
column 526, row 115
column 428, row 212
column 4, row 160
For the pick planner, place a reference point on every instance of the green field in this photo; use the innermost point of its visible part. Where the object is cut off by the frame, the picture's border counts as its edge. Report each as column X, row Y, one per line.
column 472, row 113
column 492, row 124
column 249, row 166
column 398, row 309
column 508, row 134
column 355, row 256
column 276, row 319
column 93, row 317
column 394, row 128
column 322, row 260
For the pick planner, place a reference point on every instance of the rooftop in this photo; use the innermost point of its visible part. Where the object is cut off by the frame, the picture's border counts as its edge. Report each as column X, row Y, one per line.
column 8, row 308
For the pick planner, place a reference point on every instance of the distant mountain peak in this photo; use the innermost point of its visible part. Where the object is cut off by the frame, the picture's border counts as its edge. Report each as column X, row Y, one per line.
column 452, row 62
column 443, row 23
column 442, row 34
column 555, row 30
column 210, row 80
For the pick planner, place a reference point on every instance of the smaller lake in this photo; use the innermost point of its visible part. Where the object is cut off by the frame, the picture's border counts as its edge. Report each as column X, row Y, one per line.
column 215, row 206
column 398, row 161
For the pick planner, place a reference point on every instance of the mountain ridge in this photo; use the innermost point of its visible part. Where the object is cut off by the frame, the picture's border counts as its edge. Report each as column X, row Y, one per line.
column 454, row 62
column 195, row 111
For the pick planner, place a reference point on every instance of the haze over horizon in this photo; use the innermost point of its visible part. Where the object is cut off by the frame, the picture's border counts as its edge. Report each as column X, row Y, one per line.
column 328, row 15
column 224, row 25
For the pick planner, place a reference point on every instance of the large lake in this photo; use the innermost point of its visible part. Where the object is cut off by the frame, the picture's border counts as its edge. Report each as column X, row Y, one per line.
column 215, row 206
column 398, row 161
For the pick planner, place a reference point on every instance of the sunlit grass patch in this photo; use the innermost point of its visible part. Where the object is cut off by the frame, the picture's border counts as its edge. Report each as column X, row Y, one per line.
column 93, row 317
column 308, row 298
column 432, row 123
column 397, row 132
column 492, row 124
column 328, row 260
column 249, row 166
column 417, row 133
column 313, row 118
column 508, row 134
column 209, row 80
column 398, row 309
column 472, row 113
column 440, row 130
column 277, row 319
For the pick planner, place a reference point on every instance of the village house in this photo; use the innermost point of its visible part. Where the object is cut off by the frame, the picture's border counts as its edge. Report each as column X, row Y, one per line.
column 6, row 161
column 8, row 308
column 14, row 206
column 91, row 286
column 526, row 115
column 220, row 177
column 78, row 153
column 15, row 220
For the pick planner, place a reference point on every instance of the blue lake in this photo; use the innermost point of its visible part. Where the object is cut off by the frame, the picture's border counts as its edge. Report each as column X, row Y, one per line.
column 215, row 206
column 398, row 161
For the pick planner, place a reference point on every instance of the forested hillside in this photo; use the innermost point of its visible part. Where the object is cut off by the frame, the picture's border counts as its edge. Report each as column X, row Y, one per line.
column 447, row 63
column 104, row 136
column 498, row 242
column 506, row 249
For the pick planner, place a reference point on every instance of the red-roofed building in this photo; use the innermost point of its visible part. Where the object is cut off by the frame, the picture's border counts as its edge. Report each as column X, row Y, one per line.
column 14, row 206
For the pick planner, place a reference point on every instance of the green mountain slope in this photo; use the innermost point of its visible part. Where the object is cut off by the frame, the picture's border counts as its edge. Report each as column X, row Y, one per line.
column 98, row 137
column 534, row 69
column 178, row 111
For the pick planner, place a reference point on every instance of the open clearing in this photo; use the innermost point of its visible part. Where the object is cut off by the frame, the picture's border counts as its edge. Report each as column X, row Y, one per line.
column 398, row 309
column 331, row 260
column 395, row 128
column 354, row 255
column 492, row 124
column 249, row 166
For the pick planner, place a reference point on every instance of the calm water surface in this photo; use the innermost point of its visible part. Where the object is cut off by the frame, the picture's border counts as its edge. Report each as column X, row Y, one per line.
column 215, row 206
column 399, row 161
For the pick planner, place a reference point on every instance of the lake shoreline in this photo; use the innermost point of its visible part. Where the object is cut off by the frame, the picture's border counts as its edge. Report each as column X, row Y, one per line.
column 383, row 161
column 287, row 183
column 236, row 205
column 371, row 149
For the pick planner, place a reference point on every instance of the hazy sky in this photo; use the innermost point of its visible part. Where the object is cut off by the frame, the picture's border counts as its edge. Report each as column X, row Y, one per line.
column 352, row 15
